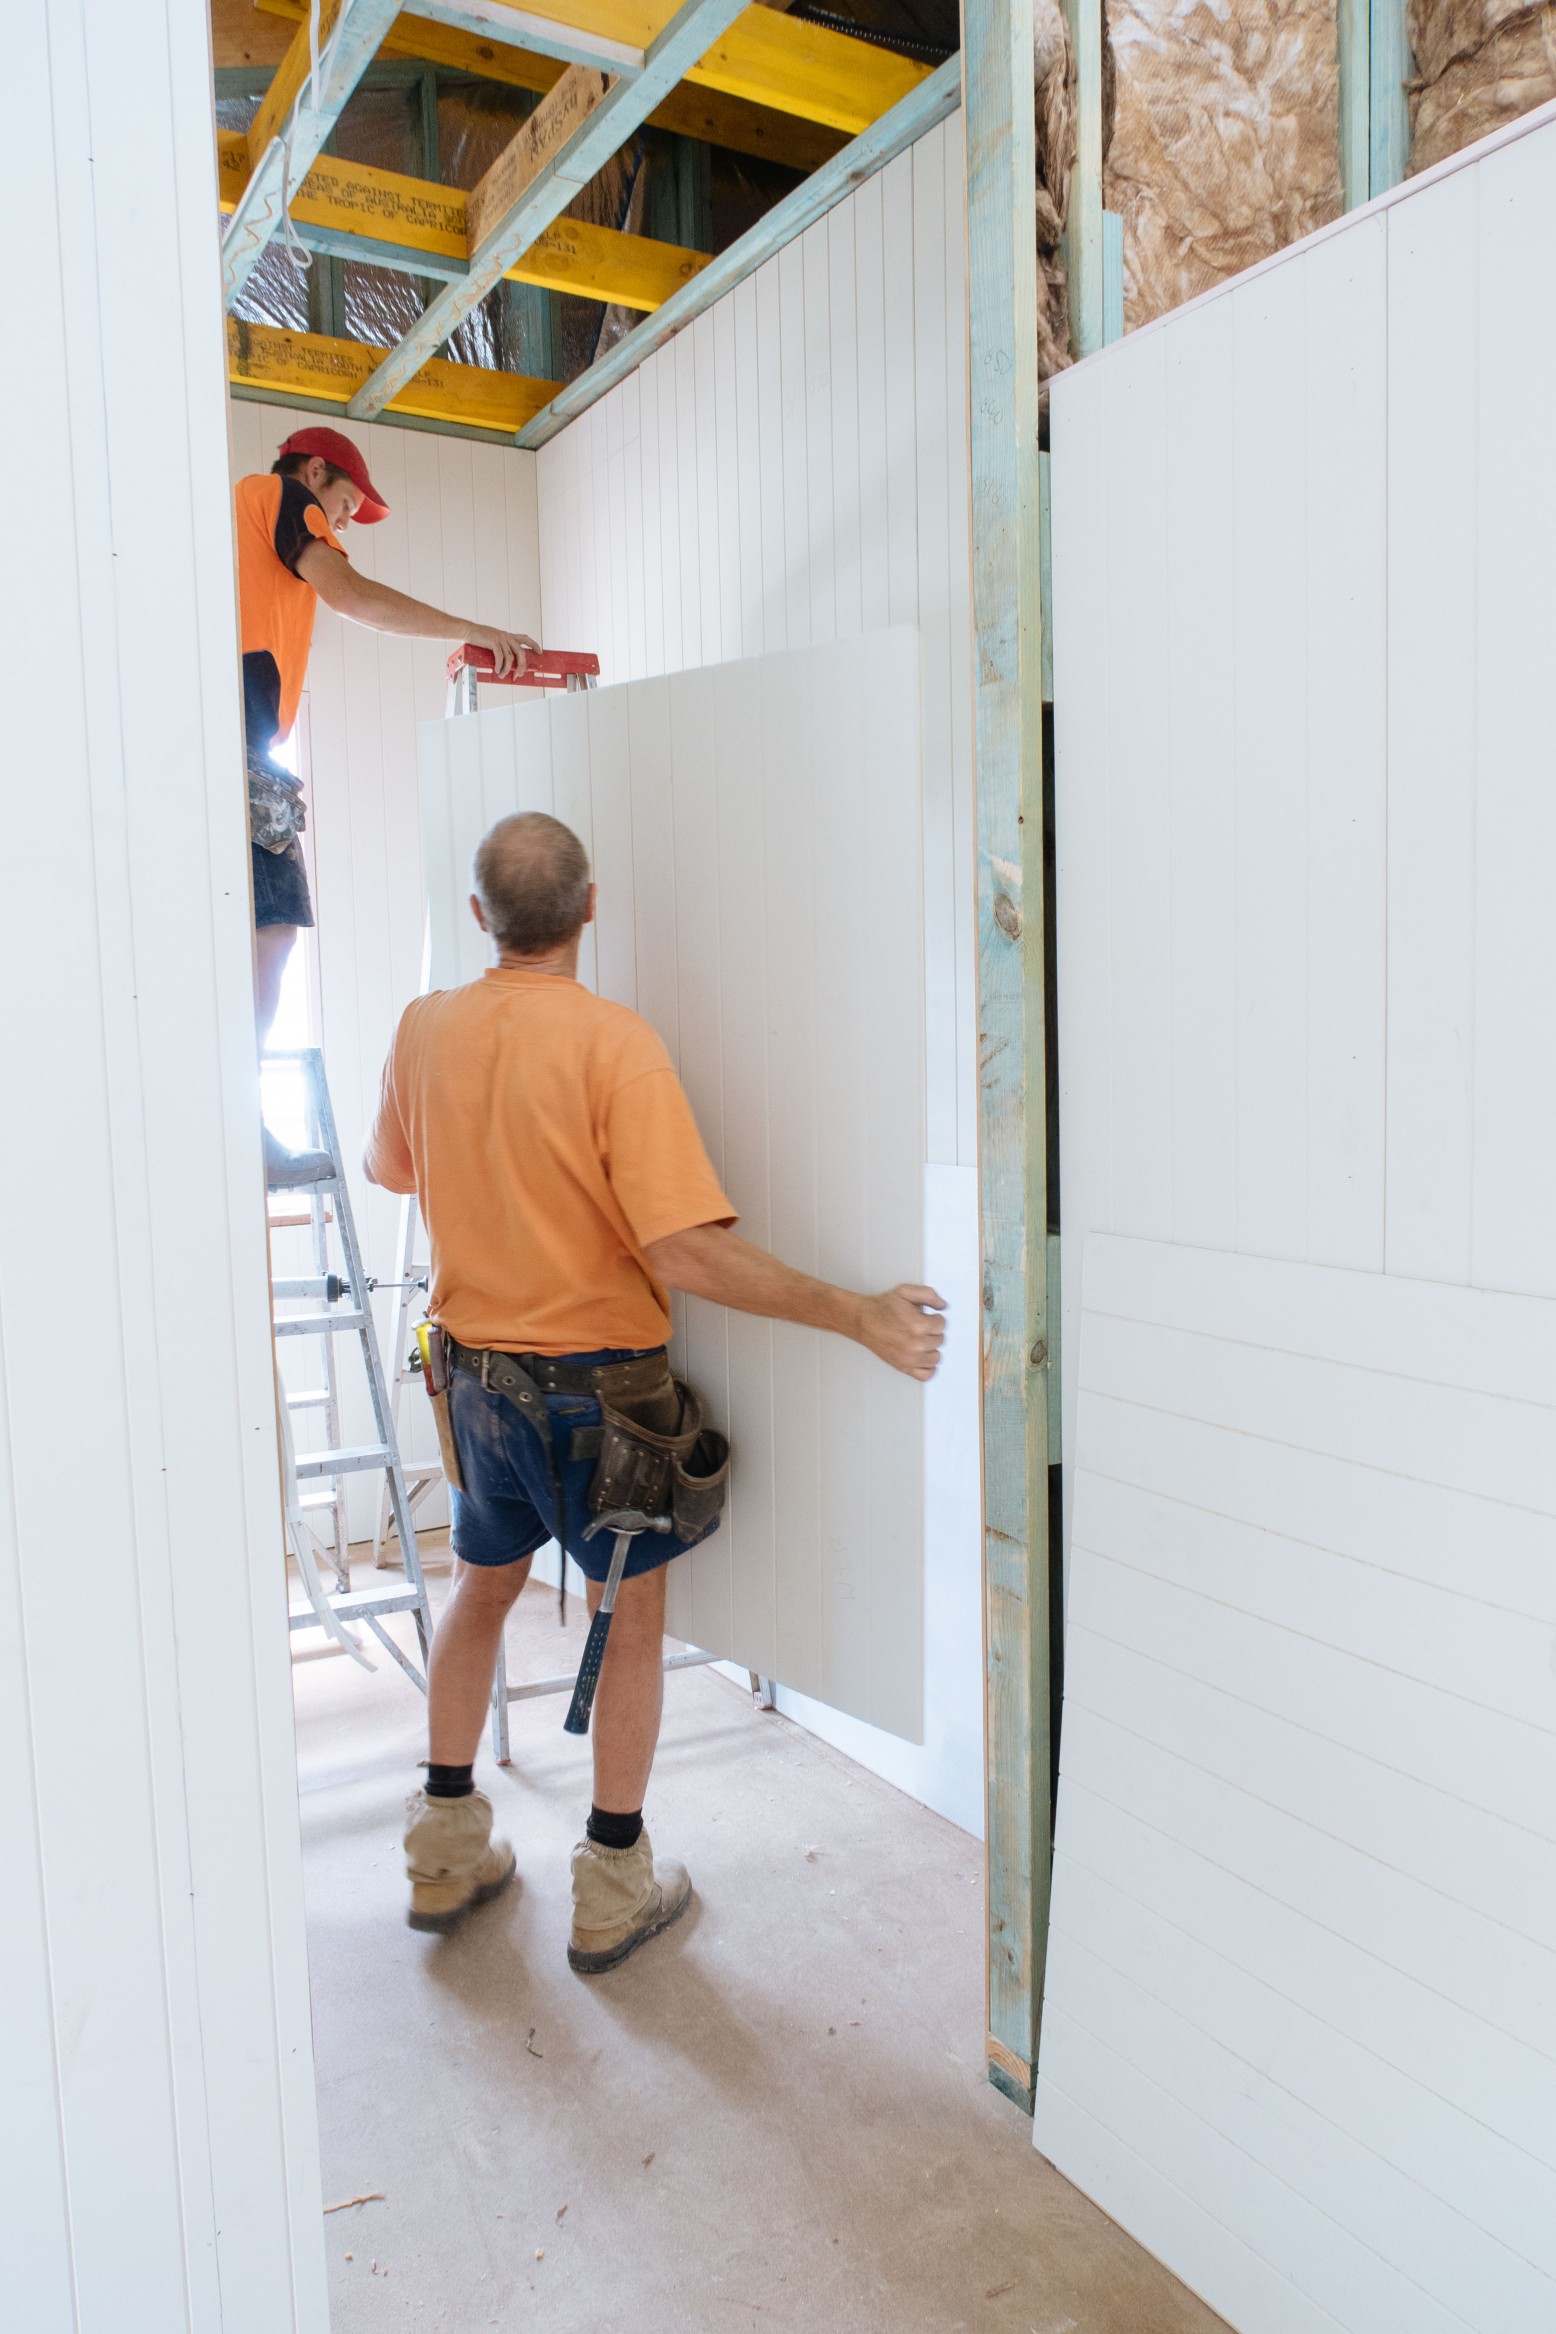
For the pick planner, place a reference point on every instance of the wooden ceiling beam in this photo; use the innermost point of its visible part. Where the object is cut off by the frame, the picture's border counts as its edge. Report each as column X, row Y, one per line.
column 295, row 118
column 420, row 228
column 792, row 96
column 310, row 365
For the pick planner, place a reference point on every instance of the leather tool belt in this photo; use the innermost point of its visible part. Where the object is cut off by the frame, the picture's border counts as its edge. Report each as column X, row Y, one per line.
column 277, row 815
column 652, row 1448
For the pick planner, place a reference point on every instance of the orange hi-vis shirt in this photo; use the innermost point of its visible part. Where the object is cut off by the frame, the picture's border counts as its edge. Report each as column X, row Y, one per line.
column 276, row 520
column 548, row 1140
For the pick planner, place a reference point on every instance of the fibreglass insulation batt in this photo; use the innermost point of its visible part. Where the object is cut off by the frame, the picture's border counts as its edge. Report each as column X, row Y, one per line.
column 1053, row 89
column 1479, row 63
column 1225, row 139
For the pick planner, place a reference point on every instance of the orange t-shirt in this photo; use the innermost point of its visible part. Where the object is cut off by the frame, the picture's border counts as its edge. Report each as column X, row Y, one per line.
column 548, row 1140
column 276, row 520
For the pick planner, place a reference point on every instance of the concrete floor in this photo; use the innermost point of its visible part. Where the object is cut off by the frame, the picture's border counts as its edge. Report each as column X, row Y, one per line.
column 774, row 2117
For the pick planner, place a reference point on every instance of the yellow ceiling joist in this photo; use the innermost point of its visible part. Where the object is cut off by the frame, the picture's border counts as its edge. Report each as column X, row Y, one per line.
column 805, row 69
column 290, row 75
column 767, row 58
column 352, row 198
column 742, row 126
column 307, row 364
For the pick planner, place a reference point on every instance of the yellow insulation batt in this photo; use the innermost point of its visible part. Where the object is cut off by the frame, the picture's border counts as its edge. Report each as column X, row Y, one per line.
column 1053, row 87
column 1225, row 139
column 1479, row 63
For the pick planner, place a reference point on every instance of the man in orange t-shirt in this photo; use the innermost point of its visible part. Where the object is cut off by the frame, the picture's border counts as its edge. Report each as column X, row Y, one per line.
column 565, row 1190
column 290, row 557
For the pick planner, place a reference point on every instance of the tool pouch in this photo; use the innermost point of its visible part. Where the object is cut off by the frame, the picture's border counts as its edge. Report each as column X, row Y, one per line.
column 637, row 1464
column 276, row 813
column 435, row 1373
column 700, row 1485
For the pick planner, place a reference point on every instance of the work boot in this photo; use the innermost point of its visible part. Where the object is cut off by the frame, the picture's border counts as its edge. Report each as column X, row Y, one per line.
column 288, row 1170
column 621, row 1898
column 451, row 1859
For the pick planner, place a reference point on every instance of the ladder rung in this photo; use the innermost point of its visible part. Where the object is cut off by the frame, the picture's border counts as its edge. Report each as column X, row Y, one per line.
column 318, row 1502
column 314, row 1399
column 357, row 1461
column 359, row 1603
column 318, row 1324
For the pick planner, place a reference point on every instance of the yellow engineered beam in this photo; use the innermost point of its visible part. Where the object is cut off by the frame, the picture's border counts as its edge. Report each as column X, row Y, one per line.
column 352, row 198
column 290, row 75
column 734, row 122
column 805, row 69
column 309, row 365
column 768, row 59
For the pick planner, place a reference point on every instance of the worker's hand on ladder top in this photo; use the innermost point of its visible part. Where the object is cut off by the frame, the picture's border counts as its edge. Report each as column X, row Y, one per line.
column 903, row 1326
column 511, row 649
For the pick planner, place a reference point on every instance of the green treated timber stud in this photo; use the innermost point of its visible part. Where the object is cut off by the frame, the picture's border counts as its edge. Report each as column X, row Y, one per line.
column 1375, row 66
column 1388, row 106
column 1007, row 696
column 1354, row 27
column 1112, row 277
column 1083, row 225
column 343, row 59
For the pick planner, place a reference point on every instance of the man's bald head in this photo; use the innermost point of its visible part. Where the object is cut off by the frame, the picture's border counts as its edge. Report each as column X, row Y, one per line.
column 531, row 876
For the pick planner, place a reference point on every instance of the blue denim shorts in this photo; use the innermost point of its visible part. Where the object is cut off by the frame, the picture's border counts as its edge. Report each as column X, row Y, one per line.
column 508, row 1506
column 280, row 886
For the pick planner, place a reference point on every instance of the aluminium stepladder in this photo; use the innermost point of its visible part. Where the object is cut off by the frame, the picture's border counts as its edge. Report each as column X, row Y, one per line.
column 410, row 1283
column 338, row 1304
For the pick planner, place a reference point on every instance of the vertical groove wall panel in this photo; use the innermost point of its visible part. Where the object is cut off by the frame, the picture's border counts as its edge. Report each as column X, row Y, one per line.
column 800, row 477
column 156, row 2122
column 825, row 496
column 1269, row 664
column 1513, row 1220
column 756, row 836
column 1434, row 322
column 1298, row 2032
column 1200, row 777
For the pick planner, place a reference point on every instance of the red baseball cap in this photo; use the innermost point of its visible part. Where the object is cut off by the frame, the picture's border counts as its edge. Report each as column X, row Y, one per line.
column 341, row 454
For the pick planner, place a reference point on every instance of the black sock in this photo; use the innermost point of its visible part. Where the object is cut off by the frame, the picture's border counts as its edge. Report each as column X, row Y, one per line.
column 614, row 1831
column 449, row 1782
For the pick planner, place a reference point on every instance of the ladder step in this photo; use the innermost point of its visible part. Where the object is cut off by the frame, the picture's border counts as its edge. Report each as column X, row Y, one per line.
column 318, row 1324
column 358, row 1605
column 312, row 1464
column 314, row 1399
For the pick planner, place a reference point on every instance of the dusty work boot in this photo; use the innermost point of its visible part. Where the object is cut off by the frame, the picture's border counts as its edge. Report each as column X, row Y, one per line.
column 451, row 1859
column 621, row 1898
column 287, row 1170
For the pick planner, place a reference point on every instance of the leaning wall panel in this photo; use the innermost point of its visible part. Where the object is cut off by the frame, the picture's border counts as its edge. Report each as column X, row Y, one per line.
column 755, row 830
column 1297, row 2023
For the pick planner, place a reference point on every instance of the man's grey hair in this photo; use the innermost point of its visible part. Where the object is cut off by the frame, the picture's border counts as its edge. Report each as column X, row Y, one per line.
column 531, row 876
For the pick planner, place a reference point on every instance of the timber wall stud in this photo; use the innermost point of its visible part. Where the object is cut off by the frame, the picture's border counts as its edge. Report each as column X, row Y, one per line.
column 1007, row 665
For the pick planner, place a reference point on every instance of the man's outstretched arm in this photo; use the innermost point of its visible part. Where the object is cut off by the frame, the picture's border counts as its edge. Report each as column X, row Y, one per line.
column 341, row 587
column 902, row 1325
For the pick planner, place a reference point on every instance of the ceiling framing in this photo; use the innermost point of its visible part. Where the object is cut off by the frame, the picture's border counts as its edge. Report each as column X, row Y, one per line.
column 755, row 78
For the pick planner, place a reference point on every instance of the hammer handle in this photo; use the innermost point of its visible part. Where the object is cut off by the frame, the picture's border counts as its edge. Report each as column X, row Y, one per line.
column 577, row 1719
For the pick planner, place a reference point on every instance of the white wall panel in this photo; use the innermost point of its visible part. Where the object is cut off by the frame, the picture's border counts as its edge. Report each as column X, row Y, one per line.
column 1298, row 2031
column 792, row 470
column 1294, row 1734
column 822, row 495
column 754, row 828
column 158, row 2150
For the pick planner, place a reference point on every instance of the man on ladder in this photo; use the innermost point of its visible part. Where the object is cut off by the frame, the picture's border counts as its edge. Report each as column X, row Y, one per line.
column 290, row 557
column 564, row 1188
